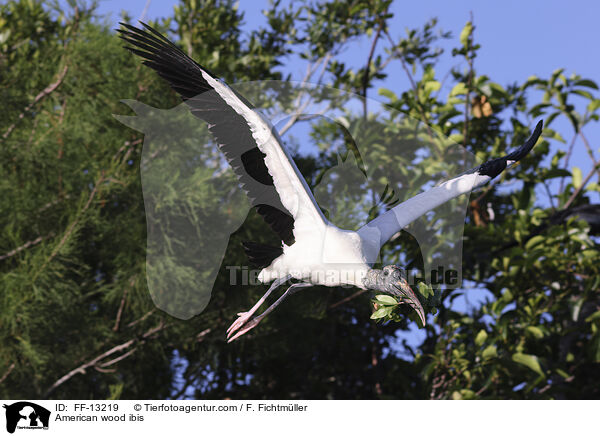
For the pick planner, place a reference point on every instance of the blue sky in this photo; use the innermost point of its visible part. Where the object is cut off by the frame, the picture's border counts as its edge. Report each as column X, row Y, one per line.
column 518, row 39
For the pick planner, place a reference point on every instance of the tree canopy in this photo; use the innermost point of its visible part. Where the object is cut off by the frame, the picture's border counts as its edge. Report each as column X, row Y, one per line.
column 76, row 315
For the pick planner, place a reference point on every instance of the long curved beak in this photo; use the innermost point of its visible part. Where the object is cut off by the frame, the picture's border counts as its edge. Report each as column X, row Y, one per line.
column 407, row 296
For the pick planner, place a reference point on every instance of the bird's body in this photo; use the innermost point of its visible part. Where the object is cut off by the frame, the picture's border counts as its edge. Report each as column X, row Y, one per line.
column 313, row 250
column 327, row 256
column 322, row 254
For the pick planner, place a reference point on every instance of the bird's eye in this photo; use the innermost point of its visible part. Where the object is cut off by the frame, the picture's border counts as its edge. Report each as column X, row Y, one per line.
column 386, row 273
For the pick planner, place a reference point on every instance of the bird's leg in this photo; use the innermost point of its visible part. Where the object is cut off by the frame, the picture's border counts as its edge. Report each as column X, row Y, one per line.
column 243, row 317
column 249, row 325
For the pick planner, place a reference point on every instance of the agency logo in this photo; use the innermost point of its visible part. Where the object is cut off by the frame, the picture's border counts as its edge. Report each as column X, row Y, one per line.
column 26, row 415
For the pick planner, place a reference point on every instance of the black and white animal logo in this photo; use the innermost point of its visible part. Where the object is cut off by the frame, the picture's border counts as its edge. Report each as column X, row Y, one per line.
column 26, row 415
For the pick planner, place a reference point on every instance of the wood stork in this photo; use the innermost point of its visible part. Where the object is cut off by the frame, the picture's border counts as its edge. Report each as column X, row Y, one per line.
column 313, row 250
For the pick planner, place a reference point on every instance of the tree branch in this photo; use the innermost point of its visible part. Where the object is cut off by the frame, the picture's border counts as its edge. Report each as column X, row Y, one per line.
column 567, row 158
column 415, row 89
column 7, row 372
column 589, row 150
column 310, row 69
column 469, row 85
column 117, row 359
column 365, row 83
column 96, row 360
column 26, row 245
column 122, row 305
column 345, row 300
column 142, row 318
column 71, row 227
column 81, row 369
column 583, row 183
column 47, row 91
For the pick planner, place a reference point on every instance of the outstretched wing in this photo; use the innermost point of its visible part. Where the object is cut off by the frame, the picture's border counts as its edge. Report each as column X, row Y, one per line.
column 251, row 145
column 394, row 220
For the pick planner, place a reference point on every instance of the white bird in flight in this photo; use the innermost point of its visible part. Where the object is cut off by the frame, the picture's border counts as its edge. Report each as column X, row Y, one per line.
column 313, row 251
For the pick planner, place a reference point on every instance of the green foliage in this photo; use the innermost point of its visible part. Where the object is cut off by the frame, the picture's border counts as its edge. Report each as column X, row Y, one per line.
column 76, row 315
column 388, row 308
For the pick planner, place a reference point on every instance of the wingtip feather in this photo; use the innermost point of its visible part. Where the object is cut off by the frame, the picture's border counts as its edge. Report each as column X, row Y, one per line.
column 494, row 167
column 535, row 134
column 524, row 150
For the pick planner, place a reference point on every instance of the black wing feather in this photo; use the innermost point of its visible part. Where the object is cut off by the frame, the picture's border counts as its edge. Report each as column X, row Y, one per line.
column 495, row 166
column 261, row 255
column 230, row 130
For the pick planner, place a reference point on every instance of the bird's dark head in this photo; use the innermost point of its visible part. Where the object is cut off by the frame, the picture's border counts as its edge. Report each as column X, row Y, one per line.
column 392, row 280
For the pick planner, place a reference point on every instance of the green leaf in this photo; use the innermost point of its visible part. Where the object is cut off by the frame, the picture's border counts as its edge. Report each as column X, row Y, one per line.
column 534, row 80
column 386, row 300
column 590, row 254
column 382, row 312
column 572, row 116
column 594, row 104
column 456, row 395
column 549, row 133
column 507, row 296
column 490, row 352
column 595, row 347
column 481, row 337
column 432, row 85
column 556, row 172
column 466, row 33
column 592, row 187
column 555, row 74
column 587, row 83
column 528, row 360
column 551, row 117
column 456, row 138
column 459, row 89
column 464, row 394
column 593, row 317
column 536, row 240
column 497, row 88
column 534, row 331
column 583, row 93
column 577, row 177
column 425, row 290
column 538, row 110
column 387, row 93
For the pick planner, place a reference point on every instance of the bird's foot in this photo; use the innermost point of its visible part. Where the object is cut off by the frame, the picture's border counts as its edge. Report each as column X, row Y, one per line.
column 242, row 328
column 243, row 318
